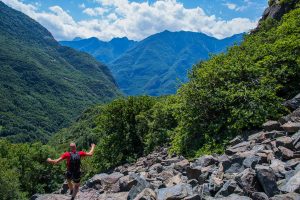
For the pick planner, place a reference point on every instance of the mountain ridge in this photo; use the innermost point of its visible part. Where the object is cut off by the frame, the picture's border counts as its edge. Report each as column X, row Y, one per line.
column 158, row 64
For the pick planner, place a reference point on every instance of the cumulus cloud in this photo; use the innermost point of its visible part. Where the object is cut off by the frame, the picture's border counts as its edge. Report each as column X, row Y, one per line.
column 235, row 7
column 119, row 18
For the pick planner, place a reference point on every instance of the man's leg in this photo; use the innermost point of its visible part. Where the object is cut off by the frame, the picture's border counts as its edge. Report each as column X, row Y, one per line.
column 70, row 184
column 76, row 180
column 75, row 190
column 69, row 181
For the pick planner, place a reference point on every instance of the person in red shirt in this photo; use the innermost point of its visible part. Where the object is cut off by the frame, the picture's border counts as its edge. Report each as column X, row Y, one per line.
column 73, row 166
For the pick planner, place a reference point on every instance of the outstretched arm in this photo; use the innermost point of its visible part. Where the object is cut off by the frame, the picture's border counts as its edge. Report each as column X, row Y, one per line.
column 91, row 152
column 49, row 160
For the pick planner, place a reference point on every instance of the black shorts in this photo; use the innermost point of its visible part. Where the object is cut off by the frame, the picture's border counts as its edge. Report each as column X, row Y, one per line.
column 74, row 176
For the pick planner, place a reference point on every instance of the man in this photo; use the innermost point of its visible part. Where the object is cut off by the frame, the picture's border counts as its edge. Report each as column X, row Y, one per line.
column 73, row 166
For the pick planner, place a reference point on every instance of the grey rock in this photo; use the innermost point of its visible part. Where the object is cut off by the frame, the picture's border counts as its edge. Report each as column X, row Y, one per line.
column 179, row 191
column 138, row 188
column 146, row 194
column 259, row 196
column 204, row 161
column 291, row 127
column 288, row 196
column 250, row 162
column 293, row 184
column 293, row 103
column 228, row 188
column 271, row 125
column 267, row 179
column 247, row 180
column 234, row 197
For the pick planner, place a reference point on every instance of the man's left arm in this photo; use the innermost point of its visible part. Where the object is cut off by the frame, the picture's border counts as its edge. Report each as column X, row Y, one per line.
column 91, row 152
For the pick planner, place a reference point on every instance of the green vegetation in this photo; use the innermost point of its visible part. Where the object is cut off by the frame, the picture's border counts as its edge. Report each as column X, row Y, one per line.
column 24, row 170
column 43, row 86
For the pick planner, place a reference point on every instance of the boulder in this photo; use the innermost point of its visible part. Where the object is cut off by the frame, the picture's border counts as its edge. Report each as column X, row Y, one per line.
column 291, row 127
column 174, row 180
column 138, row 188
column 234, row 197
column 179, row 191
column 236, row 140
column 267, row 179
column 250, row 162
column 193, row 172
column 193, row 197
column 293, row 184
column 285, row 153
column 259, row 196
column 247, row 180
column 126, row 183
column 156, row 167
column 271, row 125
column 204, row 161
column 288, row 196
column 106, row 196
column 241, row 147
column 146, row 194
column 278, row 167
column 229, row 188
column 181, row 165
column 293, row 103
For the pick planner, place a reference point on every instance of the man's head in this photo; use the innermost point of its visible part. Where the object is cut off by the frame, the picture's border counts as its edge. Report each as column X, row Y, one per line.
column 73, row 146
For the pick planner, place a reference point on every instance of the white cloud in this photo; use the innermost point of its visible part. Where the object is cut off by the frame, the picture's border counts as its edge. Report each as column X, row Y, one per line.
column 119, row 18
column 233, row 6
column 82, row 5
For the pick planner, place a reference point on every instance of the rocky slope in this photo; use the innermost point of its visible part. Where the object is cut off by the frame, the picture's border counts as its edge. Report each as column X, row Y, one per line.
column 261, row 166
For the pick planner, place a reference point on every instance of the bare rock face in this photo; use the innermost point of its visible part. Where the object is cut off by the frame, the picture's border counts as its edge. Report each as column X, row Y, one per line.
column 275, row 11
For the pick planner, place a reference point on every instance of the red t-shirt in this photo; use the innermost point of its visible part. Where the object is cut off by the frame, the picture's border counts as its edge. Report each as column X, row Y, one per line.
column 67, row 156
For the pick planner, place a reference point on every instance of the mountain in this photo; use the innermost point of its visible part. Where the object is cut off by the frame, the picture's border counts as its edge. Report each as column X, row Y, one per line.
column 43, row 85
column 102, row 51
column 156, row 65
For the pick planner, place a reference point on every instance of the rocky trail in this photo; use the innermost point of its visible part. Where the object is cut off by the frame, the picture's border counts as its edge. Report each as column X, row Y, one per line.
column 264, row 165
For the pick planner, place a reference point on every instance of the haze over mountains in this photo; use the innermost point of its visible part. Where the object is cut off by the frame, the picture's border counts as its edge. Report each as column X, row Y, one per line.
column 44, row 85
column 156, row 65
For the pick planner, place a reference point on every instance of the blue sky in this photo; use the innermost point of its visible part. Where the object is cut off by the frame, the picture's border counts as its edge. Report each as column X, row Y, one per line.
column 138, row 19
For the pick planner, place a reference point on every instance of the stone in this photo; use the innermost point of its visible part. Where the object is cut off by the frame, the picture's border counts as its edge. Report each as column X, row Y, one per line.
column 179, row 191
column 234, row 197
column 193, row 197
column 271, row 125
column 284, row 141
column 228, row 188
column 157, row 167
column 286, row 153
column 296, row 140
column 215, row 183
column 139, row 187
column 126, row 183
column 267, row 179
column 173, row 180
column 247, row 180
column 291, row 127
column 236, row 140
column 278, row 167
column 259, row 196
column 258, row 137
column 293, row 184
column 193, row 172
column 146, row 194
column 235, row 168
column 193, row 182
column 241, row 147
column 204, row 161
column 293, row 103
column 292, row 163
column 181, row 165
column 106, row 196
column 288, row 196
column 250, row 162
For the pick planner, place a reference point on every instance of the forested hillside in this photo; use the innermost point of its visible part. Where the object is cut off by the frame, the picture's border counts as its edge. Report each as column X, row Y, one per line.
column 44, row 86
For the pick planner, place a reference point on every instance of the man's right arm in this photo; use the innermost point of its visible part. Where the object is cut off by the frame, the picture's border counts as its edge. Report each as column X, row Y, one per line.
column 49, row 160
